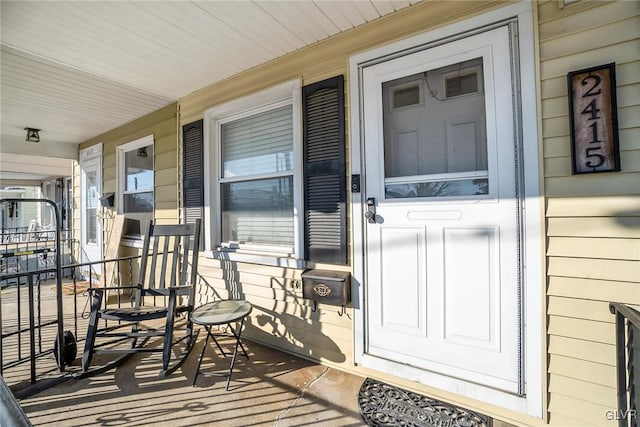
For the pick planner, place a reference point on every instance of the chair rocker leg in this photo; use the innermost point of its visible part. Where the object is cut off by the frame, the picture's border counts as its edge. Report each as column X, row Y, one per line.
column 104, row 368
column 189, row 336
column 89, row 350
column 89, row 343
column 134, row 331
column 168, row 341
column 169, row 369
column 92, row 329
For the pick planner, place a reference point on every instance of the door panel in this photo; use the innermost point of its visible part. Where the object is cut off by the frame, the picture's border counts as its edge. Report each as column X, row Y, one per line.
column 402, row 250
column 471, row 289
column 442, row 256
column 463, row 143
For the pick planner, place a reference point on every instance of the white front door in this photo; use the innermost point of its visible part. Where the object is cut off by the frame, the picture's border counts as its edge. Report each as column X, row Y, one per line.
column 90, row 220
column 442, row 234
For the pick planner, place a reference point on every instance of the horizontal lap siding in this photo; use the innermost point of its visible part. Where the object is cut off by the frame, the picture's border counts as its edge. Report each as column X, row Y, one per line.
column 281, row 317
column 593, row 221
column 162, row 125
column 580, row 36
column 592, row 260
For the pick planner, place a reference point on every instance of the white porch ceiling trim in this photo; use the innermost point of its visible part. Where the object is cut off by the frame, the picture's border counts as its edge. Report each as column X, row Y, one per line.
column 32, row 167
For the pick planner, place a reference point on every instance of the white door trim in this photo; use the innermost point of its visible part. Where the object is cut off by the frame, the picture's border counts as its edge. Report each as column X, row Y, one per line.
column 531, row 403
column 92, row 153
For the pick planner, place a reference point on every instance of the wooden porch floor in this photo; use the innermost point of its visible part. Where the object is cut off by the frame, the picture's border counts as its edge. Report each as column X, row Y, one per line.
column 272, row 388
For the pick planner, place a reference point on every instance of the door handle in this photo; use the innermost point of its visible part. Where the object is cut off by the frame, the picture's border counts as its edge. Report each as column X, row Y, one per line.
column 370, row 214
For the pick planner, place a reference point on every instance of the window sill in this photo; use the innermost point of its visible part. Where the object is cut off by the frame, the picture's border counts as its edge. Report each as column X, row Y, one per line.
column 262, row 258
column 132, row 241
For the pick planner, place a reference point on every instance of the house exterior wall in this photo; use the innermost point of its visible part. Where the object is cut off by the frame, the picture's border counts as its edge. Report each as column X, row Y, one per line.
column 593, row 221
column 162, row 124
column 27, row 211
column 281, row 317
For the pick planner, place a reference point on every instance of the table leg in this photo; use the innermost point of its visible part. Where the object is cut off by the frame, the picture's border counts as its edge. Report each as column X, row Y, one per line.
column 237, row 336
column 234, row 355
column 235, row 350
column 213, row 337
column 204, row 347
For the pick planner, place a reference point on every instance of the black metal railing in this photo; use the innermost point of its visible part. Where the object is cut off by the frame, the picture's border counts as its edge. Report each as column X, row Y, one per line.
column 30, row 334
column 51, row 269
column 11, row 234
column 627, row 364
column 44, row 299
column 23, row 255
column 92, row 274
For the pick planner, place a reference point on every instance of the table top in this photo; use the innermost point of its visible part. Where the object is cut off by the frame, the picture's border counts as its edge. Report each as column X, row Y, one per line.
column 221, row 312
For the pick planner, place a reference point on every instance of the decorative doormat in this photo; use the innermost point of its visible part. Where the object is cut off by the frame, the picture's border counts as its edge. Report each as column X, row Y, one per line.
column 69, row 289
column 385, row 405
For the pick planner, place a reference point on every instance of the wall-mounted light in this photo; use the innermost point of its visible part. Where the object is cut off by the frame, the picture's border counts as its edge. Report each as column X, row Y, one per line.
column 33, row 135
column 142, row 152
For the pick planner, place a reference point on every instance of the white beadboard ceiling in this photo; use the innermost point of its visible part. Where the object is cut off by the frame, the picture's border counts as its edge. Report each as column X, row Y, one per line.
column 76, row 69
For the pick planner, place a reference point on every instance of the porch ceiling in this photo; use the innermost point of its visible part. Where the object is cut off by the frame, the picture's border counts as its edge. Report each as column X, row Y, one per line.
column 76, row 69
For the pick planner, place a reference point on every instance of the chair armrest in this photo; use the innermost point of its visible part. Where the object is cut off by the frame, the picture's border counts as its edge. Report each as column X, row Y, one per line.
column 177, row 290
column 180, row 289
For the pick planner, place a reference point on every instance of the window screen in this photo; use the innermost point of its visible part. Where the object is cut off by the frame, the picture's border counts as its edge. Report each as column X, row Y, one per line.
column 257, row 178
column 138, row 192
column 258, row 144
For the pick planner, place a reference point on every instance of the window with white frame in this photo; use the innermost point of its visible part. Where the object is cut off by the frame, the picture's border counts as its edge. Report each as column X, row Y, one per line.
column 254, row 158
column 136, row 183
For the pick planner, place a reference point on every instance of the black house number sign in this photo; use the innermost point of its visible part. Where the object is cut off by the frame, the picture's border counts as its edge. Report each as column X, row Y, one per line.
column 594, row 122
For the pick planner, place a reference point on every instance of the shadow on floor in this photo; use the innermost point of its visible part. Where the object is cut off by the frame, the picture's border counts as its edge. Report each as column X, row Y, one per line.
column 270, row 389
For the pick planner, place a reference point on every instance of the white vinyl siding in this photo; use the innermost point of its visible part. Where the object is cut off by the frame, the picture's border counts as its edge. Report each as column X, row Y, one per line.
column 593, row 221
column 162, row 124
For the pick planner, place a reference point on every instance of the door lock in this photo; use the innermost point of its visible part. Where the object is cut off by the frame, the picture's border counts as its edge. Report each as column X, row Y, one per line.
column 370, row 214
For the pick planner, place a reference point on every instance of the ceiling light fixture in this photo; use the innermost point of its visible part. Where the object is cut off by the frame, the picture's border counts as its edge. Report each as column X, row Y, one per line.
column 33, row 135
column 142, row 152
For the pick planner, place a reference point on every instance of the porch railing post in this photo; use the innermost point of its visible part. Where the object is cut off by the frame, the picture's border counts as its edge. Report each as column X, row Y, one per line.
column 32, row 326
column 625, row 318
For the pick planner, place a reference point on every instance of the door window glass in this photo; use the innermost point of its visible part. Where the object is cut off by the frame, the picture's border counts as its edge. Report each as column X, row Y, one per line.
column 437, row 147
column 91, row 207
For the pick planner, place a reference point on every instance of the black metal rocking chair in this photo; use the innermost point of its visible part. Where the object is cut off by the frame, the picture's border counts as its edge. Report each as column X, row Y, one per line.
column 166, row 289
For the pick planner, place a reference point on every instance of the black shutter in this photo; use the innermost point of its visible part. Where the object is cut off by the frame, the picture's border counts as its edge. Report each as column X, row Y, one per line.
column 192, row 175
column 325, row 219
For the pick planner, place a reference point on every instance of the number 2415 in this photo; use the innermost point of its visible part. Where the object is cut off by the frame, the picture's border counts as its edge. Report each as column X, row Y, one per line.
column 594, row 158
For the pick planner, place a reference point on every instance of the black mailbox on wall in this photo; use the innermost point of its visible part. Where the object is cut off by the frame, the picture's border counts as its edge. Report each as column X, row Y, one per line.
column 106, row 201
column 327, row 286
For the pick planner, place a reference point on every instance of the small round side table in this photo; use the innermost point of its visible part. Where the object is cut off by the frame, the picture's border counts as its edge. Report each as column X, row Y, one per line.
column 224, row 312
